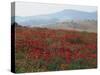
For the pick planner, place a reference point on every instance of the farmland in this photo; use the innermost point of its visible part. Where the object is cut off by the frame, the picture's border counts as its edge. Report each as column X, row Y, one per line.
column 44, row 49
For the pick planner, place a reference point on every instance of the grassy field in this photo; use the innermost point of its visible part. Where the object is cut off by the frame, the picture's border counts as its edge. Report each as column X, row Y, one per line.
column 42, row 49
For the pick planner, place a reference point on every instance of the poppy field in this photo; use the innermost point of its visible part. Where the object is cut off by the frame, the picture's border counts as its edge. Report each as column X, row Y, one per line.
column 43, row 49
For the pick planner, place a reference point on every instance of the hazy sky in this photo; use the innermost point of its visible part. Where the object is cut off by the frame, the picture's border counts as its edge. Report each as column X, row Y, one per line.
column 31, row 9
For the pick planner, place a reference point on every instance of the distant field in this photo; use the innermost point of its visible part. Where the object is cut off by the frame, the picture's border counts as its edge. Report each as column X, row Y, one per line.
column 80, row 25
column 42, row 49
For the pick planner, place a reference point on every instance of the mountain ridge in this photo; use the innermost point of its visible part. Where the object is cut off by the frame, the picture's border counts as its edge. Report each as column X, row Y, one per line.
column 66, row 14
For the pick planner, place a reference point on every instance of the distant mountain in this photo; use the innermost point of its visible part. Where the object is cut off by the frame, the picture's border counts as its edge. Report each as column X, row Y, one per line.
column 63, row 15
